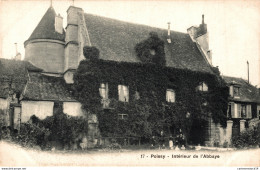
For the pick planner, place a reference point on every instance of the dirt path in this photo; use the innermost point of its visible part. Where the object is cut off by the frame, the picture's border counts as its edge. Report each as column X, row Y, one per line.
column 13, row 155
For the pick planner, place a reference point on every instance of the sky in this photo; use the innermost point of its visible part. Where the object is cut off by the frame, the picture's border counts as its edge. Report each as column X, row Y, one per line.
column 233, row 26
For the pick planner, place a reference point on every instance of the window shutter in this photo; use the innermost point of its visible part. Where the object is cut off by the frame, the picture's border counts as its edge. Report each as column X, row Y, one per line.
column 232, row 110
column 167, row 95
column 121, row 93
column 102, row 90
column 127, row 94
column 239, row 110
column 231, row 91
column 200, row 87
column 205, row 87
column 235, row 111
column 106, row 91
column 248, row 111
column 173, row 93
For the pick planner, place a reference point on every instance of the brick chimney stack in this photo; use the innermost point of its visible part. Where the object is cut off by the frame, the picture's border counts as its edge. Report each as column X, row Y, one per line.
column 200, row 36
column 18, row 55
column 16, row 50
column 71, row 39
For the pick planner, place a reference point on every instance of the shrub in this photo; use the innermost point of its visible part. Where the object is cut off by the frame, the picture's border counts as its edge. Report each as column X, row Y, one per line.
column 225, row 144
column 248, row 138
column 114, row 145
column 31, row 135
column 60, row 128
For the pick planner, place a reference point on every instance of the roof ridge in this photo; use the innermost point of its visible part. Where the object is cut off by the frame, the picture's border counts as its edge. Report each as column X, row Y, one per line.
column 241, row 80
column 128, row 22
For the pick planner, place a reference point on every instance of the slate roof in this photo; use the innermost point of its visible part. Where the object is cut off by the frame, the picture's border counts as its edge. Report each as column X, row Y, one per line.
column 46, row 88
column 14, row 72
column 46, row 28
column 116, row 41
column 248, row 93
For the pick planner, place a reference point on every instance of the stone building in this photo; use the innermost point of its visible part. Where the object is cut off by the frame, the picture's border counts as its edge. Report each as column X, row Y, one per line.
column 55, row 55
column 244, row 104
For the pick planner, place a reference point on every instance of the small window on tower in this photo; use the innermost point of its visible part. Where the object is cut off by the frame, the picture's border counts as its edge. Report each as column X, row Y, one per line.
column 59, row 24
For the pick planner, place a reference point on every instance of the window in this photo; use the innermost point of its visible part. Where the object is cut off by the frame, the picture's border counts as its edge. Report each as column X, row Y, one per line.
column 205, row 103
column 122, row 116
column 229, row 110
column 236, row 91
column 123, row 93
column 243, row 111
column 170, row 95
column 202, row 87
column 58, row 24
column 137, row 95
column 152, row 51
column 103, row 90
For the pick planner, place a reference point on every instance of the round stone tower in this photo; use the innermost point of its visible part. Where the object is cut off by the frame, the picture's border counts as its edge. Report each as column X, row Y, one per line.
column 45, row 46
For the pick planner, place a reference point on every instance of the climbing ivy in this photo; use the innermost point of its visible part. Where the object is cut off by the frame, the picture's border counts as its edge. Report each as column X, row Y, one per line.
column 91, row 53
column 151, row 50
column 151, row 113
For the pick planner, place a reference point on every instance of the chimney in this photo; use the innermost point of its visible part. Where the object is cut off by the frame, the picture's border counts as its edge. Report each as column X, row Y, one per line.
column 200, row 36
column 247, row 71
column 202, row 28
column 59, row 24
column 71, row 38
column 169, row 33
column 16, row 50
column 209, row 54
column 17, row 55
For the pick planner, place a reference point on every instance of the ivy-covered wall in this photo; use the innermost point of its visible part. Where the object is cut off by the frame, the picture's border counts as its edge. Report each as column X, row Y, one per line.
column 151, row 113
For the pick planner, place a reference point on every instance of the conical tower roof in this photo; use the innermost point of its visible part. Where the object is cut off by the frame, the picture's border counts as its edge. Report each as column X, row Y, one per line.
column 46, row 28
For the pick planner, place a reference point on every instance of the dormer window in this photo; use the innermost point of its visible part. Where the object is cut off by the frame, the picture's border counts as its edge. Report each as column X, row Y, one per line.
column 152, row 51
column 170, row 95
column 123, row 93
column 233, row 91
column 236, row 91
column 202, row 87
column 58, row 24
